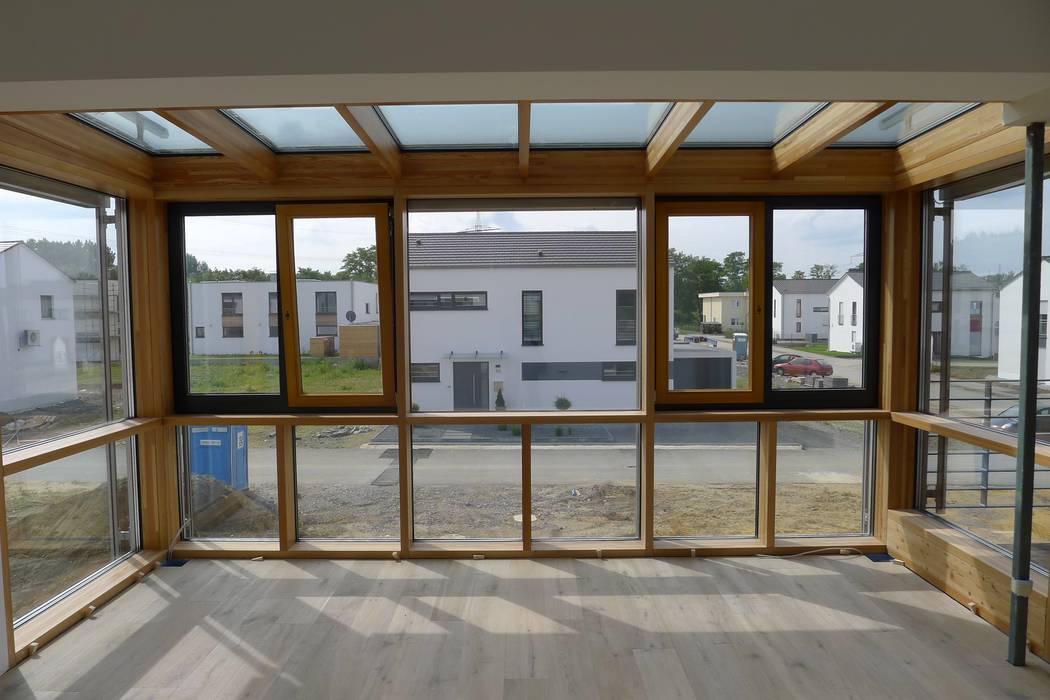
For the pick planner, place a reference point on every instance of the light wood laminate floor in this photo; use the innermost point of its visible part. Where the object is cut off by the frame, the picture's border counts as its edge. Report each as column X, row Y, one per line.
column 813, row 627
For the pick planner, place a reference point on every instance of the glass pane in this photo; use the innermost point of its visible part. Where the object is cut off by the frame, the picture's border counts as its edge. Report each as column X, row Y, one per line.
column 706, row 480
column 299, row 128
column 338, row 299
column 976, row 493
column 347, row 481
column 817, row 320
column 585, row 481
column 592, row 124
column 750, row 123
column 466, row 481
column 710, row 260
column 824, row 477
column 901, row 122
column 52, row 368
column 60, row 523
column 231, row 270
column 974, row 331
column 453, row 126
column 533, row 318
column 115, row 333
column 146, row 130
column 230, row 474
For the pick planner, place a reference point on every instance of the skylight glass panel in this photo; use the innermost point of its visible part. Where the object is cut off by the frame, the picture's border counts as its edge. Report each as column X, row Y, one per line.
column 755, row 124
column 453, row 126
column 902, row 122
column 147, row 131
column 287, row 129
column 593, row 124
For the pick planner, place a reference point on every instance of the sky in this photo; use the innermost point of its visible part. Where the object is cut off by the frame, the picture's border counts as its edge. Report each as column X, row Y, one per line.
column 23, row 216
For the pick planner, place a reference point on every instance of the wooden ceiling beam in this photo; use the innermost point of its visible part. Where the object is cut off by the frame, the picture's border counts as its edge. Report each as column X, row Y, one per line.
column 364, row 120
column 221, row 133
column 524, row 134
column 680, row 122
column 823, row 129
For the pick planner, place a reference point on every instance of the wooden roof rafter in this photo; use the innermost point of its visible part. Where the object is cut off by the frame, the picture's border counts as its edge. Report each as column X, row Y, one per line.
column 675, row 129
column 221, row 133
column 823, row 129
column 370, row 128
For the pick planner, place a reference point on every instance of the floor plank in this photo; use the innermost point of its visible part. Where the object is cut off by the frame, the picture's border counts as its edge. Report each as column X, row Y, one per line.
column 814, row 627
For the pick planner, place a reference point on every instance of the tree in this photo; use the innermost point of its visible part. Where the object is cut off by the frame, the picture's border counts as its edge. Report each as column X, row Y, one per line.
column 311, row 273
column 735, row 272
column 360, row 264
column 823, row 272
column 77, row 259
column 692, row 276
column 778, row 271
column 798, row 275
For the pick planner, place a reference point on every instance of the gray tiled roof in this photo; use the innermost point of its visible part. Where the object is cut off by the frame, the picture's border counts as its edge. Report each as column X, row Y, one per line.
column 7, row 245
column 807, row 286
column 962, row 279
column 527, row 249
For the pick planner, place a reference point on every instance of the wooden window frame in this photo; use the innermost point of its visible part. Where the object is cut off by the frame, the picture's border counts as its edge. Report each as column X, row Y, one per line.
column 296, row 393
column 757, row 291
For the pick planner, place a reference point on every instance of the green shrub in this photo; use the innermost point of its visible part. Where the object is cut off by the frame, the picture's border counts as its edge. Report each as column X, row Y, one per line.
column 515, row 431
column 562, row 403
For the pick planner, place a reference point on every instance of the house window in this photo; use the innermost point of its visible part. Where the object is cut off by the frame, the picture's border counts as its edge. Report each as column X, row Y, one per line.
column 935, row 307
column 232, row 315
column 425, row 372
column 275, row 323
column 798, row 308
column 1042, row 330
column 618, row 371
column 841, row 317
column 820, row 309
column 325, row 319
column 798, row 327
column 774, row 307
column 198, row 332
column 47, row 306
column 626, row 326
column 976, row 307
column 448, row 301
column 368, row 307
column 326, row 331
column 324, row 302
column 853, row 315
column 532, row 317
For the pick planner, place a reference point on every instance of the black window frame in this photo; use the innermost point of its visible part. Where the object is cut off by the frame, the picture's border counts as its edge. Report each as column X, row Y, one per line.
column 532, row 342
column 623, row 339
column 232, row 336
column 448, row 301
column 417, row 375
column 871, row 310
column 237, row 296
column 50, row 306
column 318, row 296
column 198, row 332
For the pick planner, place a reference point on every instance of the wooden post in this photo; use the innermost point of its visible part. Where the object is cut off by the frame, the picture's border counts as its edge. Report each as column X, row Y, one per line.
column 767, row 483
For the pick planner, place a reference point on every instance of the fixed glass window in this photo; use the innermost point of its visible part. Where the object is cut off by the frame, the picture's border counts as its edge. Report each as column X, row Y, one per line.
column 334, row 258
column 62, row 310
column 532, row 317
column 229, row 481
column 466, row 482
column 425, row 372
column 585, row 481
column 230, row 268
column 709, row 336
column 347, row 482
column 626, row 317
column 298, row 129
column 903, row 122
column 450, row 126
column 754, row 124
column 274, row 315
column 576, row 351
column 146, row 130
column 448, row 301
column 824, row 477
column 595, row 124
column 67, row 520
column 706, row 480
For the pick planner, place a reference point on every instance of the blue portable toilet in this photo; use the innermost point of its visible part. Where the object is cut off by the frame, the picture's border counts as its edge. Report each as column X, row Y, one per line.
column 220, row 452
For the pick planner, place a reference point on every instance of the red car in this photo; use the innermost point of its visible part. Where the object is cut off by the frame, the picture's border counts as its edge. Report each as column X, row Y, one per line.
column 803, row 367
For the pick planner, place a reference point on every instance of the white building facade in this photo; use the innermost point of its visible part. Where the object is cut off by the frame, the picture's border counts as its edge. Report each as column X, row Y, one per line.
column 1010, row 327
column 38, row 363
column 846, row 299
column 241, row 318
column 534, row 316
column 801, row 310
column 974, row 315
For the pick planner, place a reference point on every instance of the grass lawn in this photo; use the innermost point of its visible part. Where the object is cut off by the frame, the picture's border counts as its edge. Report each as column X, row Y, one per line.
column 821, row 349
column 258, row 374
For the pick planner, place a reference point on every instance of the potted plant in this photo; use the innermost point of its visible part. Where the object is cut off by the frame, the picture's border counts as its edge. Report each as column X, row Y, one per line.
column 562, row 403
column 501, row 403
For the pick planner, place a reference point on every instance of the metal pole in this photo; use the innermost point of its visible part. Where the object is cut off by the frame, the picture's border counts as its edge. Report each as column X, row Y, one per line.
column 1021, row 585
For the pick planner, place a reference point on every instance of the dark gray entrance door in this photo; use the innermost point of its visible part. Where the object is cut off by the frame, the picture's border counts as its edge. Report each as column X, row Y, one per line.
column 470, row 386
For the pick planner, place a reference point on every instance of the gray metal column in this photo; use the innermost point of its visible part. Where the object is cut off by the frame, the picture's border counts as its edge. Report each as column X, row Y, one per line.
column 1021, row 585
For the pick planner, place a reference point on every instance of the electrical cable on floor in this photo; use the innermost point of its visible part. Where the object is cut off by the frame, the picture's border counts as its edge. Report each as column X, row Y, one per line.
column 847, row 551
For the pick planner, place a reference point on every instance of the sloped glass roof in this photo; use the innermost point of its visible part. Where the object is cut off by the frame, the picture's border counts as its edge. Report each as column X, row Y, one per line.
column 902, row 122
column 146, row 130
column 595, row 124
column 290, row 129
column 754, row 124
column 422, row 127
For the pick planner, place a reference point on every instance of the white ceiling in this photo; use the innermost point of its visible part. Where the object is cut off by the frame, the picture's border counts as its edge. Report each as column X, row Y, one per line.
column 68, row 55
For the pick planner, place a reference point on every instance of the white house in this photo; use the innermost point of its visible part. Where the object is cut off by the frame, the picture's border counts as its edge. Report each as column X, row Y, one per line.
column 974, row 315
column 536, row 315
column 846, row 299
column 241, row 318
column 1010, row 326
column 38, row 363
column 800, row 309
